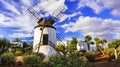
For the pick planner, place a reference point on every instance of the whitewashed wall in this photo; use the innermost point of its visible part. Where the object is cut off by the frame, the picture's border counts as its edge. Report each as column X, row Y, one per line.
column 45, row 49
column 66, row 42
column 50, row 31
column 82, row 46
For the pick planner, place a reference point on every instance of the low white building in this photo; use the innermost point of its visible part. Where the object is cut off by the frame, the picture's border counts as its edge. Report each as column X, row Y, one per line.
column 20, row 44
column 64, row 42
column 81, row 45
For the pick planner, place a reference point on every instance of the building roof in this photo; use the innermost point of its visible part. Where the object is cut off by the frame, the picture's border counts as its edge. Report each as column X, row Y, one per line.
column 14, row 42
column 46, row 23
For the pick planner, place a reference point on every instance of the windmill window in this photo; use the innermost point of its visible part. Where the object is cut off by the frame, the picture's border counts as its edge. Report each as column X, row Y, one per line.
column 45, row 39
column 40, row 28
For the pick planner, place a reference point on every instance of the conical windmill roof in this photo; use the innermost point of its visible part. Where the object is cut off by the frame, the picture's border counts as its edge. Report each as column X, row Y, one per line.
column 46, row 23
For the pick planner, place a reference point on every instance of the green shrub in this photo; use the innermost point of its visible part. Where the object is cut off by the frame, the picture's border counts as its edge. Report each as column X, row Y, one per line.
column 110, row 52
column 71, row 48
column 18, row 53
column 83, row 51
column 72, row 60
column 7, row 58
column 118, row 54
column 41, row 55
column 32, row 60
column 60, row 47
column 90, row 55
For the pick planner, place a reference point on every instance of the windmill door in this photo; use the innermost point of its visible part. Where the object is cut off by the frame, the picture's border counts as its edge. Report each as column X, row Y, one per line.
column 45, row 39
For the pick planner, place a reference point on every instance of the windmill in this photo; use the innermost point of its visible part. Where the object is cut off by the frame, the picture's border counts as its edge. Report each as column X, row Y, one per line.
column 45, row 32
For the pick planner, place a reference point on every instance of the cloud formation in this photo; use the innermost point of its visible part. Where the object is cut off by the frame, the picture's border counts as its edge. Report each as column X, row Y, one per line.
column 96, row 27
column 16, row 16
column 101, row 5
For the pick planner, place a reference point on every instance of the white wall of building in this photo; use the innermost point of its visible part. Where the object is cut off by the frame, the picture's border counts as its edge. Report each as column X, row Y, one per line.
column 45, row 49
column 18, row 44
column 83, row 46
column 66, row 42
column 50, row 31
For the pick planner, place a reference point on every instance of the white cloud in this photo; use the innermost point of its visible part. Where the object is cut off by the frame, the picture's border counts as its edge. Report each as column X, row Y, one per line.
column 97, row 27
column 27, row 2
column 100, row 5
column 92, row 4
column 116, row 12
column 69, row 16
column 21, row 35
column 68, row 38
column 22, row 21
column 50, row 6
column 10, row 7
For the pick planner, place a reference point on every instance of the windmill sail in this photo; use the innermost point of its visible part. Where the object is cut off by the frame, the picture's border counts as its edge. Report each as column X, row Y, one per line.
column 45, row 23
column 33, row 13
column 58, row 13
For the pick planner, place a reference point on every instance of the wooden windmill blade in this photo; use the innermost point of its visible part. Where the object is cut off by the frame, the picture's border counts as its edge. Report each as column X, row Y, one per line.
column 41, row 37
column 35, row 16
column 33, row 13
column 58, row 12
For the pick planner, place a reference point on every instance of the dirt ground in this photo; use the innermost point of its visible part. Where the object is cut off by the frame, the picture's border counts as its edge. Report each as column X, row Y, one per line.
column 103, row 64
column 99, row 62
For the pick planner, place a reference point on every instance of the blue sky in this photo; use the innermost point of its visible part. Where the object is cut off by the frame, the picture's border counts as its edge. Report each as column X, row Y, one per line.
column 98, row 18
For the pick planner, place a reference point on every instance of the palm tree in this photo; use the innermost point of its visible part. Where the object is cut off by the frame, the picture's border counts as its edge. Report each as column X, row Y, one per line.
column 4, row 45
column 103, row 41
column 87, row 40
column 25, row 45
column 97, row 41
column 92, row 44
column 16, row 40
column 74, row 41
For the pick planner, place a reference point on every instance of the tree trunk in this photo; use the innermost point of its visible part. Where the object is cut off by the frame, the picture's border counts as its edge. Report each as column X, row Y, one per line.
column 97, row 48
column 88, row 46
column 115, row 53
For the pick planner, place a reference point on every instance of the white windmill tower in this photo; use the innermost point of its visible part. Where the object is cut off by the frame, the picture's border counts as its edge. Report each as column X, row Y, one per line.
column 45, row 33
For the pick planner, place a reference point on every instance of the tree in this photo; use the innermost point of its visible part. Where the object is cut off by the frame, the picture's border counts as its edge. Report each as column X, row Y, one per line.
column 114, row 44
column 25, row 45
column 74, row 41
column 29, row 48
column 103, row 41
column 87, row 40
column 92, row 44
column 4, row 45
column 16, row 40
column 97, row 41
column 61, row 48
column 72, row 47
